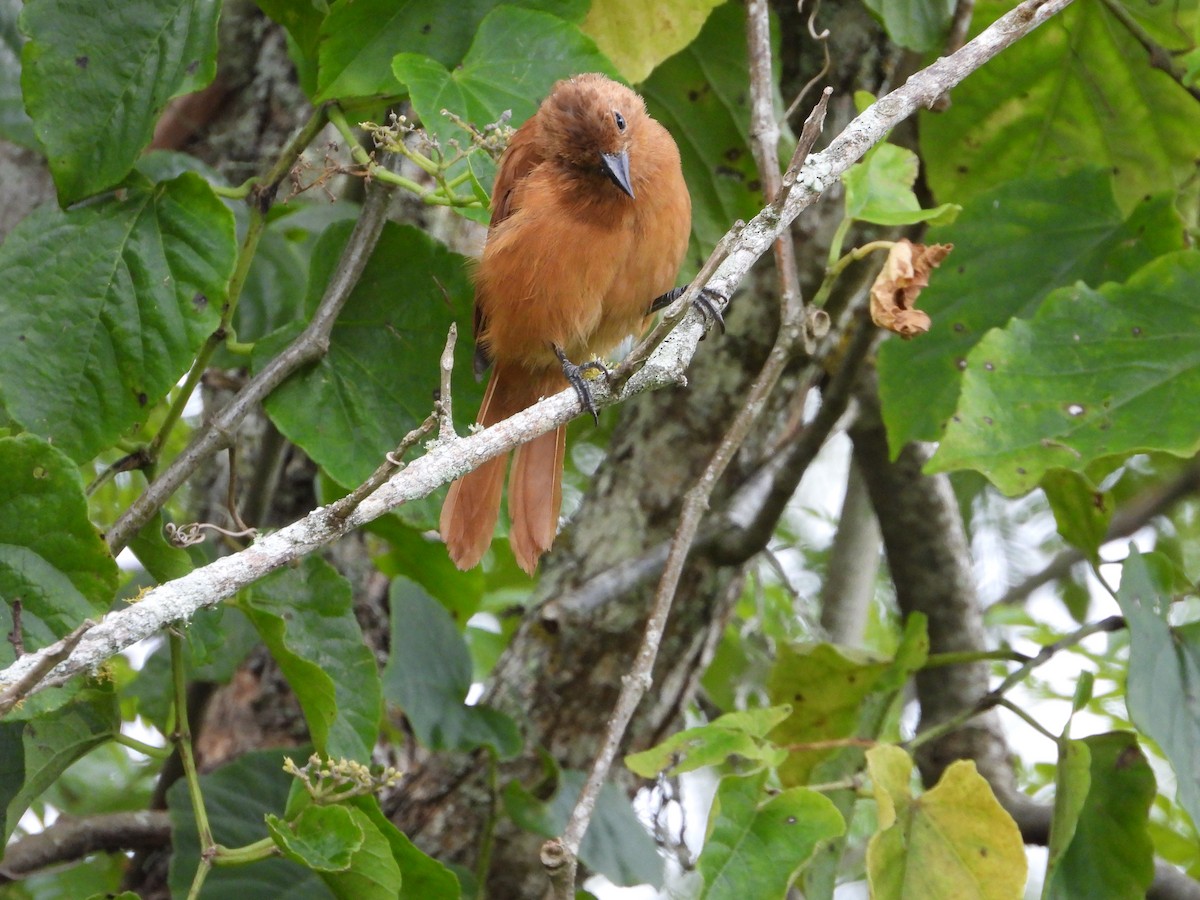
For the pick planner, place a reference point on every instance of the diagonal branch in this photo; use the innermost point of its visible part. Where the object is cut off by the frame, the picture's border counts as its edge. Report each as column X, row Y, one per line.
column 310, row 345
column 207, row 586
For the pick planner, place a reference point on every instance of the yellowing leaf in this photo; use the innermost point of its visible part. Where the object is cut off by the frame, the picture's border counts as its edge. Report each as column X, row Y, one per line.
column 637, row 36
column 953, row 842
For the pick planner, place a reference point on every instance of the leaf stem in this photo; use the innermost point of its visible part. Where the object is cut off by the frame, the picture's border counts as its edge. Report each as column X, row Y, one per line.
column 239, row 856
column 183, row 741
column 488, row 839
column 142, row 747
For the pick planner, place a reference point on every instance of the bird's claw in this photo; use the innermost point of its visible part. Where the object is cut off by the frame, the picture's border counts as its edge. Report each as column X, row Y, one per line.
column 705, row 303
column 577, row 378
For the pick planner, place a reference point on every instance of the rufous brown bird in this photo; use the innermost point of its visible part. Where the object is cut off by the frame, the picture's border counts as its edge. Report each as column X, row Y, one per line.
column 590, row 223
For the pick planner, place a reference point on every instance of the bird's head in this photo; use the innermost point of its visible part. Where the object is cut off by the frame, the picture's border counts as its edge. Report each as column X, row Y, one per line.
column 591, row 125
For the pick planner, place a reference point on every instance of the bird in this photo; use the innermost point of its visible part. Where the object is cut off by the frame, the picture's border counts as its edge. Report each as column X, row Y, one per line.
column 589, row 227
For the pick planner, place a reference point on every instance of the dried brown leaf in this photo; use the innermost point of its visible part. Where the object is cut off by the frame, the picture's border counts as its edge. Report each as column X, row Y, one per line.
column 904, row 276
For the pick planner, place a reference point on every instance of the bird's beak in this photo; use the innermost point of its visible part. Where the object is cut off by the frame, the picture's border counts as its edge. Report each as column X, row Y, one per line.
column 616, row 167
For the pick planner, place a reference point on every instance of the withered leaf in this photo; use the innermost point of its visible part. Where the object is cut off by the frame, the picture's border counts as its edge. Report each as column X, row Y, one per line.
column 904, row 276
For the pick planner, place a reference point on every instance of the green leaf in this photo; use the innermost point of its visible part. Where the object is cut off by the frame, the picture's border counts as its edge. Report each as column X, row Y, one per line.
column 52, row 559
column 1111, row 854
column 237, row 798
column 105, row 307
column 36, row 752
column 15, row 124
column 412, row 554
column 1095, row 374
column 701, row 95
column 1072, row 780
column 1164, row 668
column 755, row 848
column 360, row 37
column 739, row 733
column 879, row 189
column 376, row 383
column 954, row 841
column 373, row 873
column 306, row 618
column 635, row 51
column 423, row 876
column 324, row 838
column 428, row 675
column 514, row 61
column 94, row 110
column 825, row 686
column 1012, row 247
column 1081, row 512
column 1078, row 91
column 916, row 24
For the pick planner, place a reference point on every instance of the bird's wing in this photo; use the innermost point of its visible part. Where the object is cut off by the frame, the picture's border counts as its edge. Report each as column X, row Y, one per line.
column 521, row 157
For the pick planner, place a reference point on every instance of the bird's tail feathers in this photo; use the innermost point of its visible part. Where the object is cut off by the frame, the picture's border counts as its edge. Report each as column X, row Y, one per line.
column 472, row 506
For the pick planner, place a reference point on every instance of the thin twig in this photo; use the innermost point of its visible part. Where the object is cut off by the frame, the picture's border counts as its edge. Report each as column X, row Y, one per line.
column 1153, row 502
column 821, row 38
column 1160, row 57
column 46, row 660
column 444, row 407
column 993, row 697
column 393, row 462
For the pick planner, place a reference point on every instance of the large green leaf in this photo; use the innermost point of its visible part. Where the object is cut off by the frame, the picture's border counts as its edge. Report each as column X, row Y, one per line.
column 1012, row 247
column 360, row 37
column 97, row 73
column 637, row 38
column 1079, row 90
column 701, row 95
column 306, row 618
column 15, row 124
column 1096, row 373
column 916, row 24
column 104, row 308
column 52, row 559
column 1111, row 854
column 237, row 797
column 377, row 381
column 422, row 875
column 756, row 842
column 954, row 841
column 514, row 60
column 1164, row 670
column 429, row 673
column 825, row 686
column 35, row 753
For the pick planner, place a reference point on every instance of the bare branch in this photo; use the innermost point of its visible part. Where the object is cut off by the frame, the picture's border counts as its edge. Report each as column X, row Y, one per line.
column 70, row 840
column 179, row 599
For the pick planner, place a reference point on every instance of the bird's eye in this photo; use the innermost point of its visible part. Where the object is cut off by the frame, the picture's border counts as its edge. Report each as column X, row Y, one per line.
column 620, row 120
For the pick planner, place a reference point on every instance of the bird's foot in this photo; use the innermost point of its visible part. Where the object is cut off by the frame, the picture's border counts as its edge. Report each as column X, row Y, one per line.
column 577, row 376
column 705, row 302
